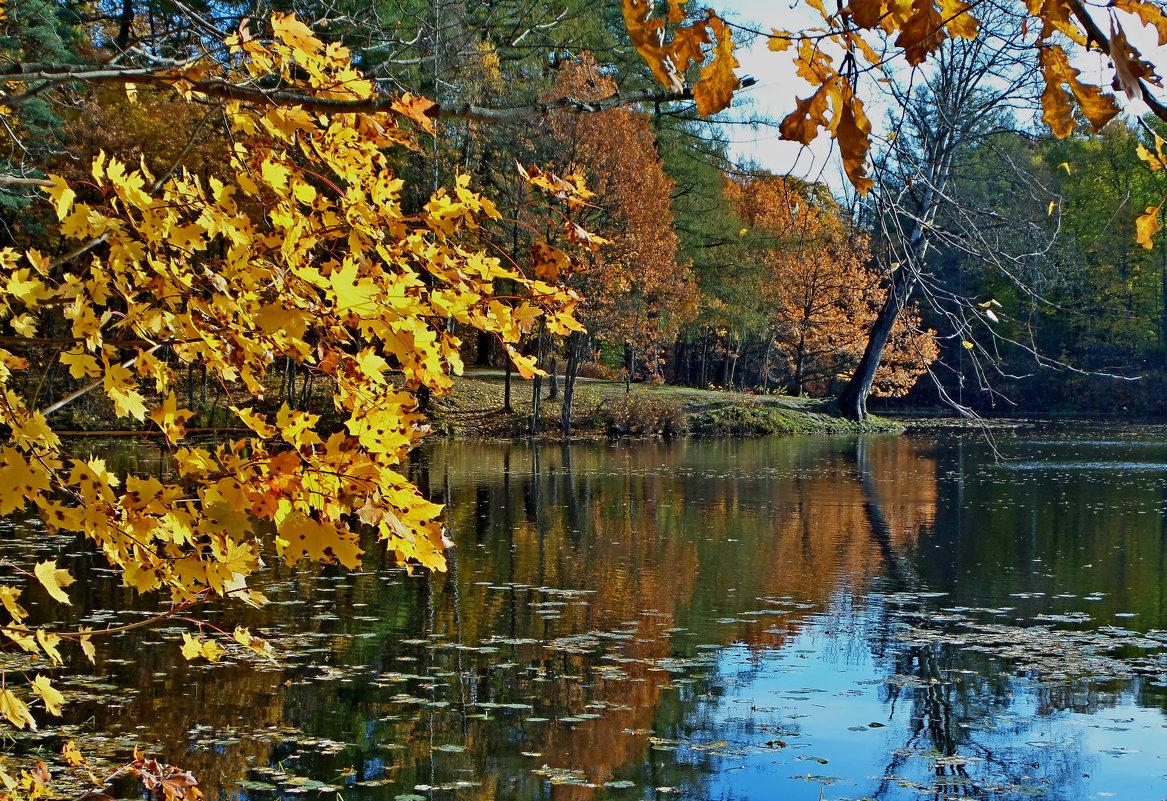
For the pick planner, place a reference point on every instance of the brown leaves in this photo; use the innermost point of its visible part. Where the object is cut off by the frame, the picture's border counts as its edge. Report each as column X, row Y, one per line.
column 1129, row 68
column 803, row 124
column 1150, row 14
column 173, row 784
column 854, row 135
column 865, row 13
column 1058, row 103
column 648, row 37
column 714, row 91
column 922, row 33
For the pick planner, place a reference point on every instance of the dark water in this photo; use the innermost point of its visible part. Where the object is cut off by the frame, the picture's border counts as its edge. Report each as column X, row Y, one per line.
column 880, row 617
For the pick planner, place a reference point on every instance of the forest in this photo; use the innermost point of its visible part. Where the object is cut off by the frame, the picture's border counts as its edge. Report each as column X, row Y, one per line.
column 1034, row 299
column 269, row 238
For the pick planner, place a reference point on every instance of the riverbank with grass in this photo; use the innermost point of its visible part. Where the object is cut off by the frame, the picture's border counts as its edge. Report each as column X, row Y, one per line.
column 475, row 408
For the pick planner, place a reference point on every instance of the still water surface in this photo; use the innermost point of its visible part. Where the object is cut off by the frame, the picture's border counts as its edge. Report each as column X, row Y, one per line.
column 878, row 617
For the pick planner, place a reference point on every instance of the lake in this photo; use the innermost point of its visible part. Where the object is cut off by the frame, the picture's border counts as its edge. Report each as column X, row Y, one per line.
column 890, row 617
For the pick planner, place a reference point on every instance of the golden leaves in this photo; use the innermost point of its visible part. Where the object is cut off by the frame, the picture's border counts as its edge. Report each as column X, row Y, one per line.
column 15, row 710
column 854, row 135
column 53, row 579
column 648, row 37
column 171, row 419
column 49, row 694
column 959, row 19
column 922, row 33
column 418, row 109
column 1150, row 14
column 304, row 255
column 194, row 648
column 714, row 91
column 62, row 196
column 1058, row 104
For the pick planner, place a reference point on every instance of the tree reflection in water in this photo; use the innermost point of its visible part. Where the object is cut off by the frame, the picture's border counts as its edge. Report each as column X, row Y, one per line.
column 658, row 613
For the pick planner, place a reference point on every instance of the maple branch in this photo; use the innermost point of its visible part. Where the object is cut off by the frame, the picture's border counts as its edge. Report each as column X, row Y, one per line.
column 5, row 178
column 218, row 87
column 90, row 387
column 1095, row 34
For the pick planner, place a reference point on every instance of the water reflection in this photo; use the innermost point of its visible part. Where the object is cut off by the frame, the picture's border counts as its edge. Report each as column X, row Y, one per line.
column 857, row 617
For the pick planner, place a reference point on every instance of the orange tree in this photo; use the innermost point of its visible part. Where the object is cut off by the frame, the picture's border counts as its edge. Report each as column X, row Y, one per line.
column 635, row 290
column 816, row 292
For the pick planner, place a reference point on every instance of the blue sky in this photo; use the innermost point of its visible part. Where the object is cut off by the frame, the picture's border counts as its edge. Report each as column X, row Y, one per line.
column 777, row 86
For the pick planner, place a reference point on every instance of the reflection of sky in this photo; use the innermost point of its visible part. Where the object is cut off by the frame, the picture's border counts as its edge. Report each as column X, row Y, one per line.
column 820, row 704
column 777, row 86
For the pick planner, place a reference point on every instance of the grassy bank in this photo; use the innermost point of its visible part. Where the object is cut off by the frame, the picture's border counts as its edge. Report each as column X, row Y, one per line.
column 475, row 409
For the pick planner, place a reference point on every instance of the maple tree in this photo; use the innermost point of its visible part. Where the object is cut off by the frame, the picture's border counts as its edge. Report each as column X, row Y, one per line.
column 305, row 250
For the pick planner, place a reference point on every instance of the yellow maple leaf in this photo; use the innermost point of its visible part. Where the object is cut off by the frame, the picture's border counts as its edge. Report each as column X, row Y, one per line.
column 49, row 642
column 71, row 756
column 53, row 579
column 171, row 419
column 49, row 694
column 26, row 641
column 62, row 196
column 295, row 34
column 15, row 710
column 87, row 648
column 8, row 596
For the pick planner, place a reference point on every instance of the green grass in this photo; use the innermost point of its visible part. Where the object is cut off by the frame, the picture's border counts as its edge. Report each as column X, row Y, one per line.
column 474, row 408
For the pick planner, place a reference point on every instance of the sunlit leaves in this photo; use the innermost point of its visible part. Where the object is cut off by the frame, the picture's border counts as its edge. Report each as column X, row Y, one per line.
column 195, row 648
column 831, row 59
column 15, row 710
column 298, row 250
column 1058, row 103
column 50, row 695
column 53, row 579
column 714, row 91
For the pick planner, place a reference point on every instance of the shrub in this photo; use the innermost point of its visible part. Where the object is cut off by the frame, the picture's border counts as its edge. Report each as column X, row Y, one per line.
column 641, row 415
column 597, row 370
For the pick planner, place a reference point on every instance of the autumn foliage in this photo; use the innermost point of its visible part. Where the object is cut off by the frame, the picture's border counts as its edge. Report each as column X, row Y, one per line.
column 818, row 294
column 305, row 252
column 863, row 37
column 635, row 289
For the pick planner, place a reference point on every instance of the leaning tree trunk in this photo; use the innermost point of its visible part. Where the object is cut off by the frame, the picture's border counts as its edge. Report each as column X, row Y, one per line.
column 853, row 401
column 537, row 384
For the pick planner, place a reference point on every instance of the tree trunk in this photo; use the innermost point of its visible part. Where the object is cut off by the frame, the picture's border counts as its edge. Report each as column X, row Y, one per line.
column 575, row 346
column 764, row 370
column 704, row 361
column 484, row 350
column 553, row 378
column 853, row 401
column 799, row 366
column 537, row 383
column 725, row 367
column 629, row 362
column 506, row 393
